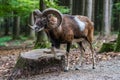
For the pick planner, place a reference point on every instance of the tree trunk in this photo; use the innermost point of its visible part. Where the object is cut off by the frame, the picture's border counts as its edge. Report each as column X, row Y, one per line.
column 32, row 32
column 6, row 25
column 16, row 26
column 93, row 10
column 42, row 40
column 37, row 62
column 97, row 18
column 110, row 12
column 83, row 7
column 107, row 17
column 42, row 5
column 71, row 6
column 89, row 9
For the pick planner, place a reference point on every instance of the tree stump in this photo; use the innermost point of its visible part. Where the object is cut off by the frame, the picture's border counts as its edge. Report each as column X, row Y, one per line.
column 36, row 62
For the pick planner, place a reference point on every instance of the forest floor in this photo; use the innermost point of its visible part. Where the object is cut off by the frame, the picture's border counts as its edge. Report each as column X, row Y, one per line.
column 107, row 64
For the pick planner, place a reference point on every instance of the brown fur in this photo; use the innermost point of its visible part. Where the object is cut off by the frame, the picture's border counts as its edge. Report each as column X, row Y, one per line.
column 68, row 29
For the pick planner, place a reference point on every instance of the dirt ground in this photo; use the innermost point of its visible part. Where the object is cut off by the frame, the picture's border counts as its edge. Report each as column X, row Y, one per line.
column 107, row 68
column 107, row 65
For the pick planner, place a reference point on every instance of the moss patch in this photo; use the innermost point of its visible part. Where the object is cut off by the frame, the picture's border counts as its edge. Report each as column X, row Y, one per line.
column 107, row 47
column 44, row 44
column 117, row 47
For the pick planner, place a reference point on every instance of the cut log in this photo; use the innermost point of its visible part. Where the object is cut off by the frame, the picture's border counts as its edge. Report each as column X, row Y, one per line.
column 36, row 62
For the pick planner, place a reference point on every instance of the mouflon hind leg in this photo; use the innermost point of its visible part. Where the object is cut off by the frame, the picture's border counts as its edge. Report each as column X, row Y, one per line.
column 67, row 55
column 80, row 61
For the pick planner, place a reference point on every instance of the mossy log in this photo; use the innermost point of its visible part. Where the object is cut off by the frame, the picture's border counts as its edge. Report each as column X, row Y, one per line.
column 36, row 62
column 107, row 47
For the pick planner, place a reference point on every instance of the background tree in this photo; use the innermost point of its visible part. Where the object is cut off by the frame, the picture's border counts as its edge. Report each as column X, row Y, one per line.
column 41, row 41
column 7, row 25
column 89, row 8
column 107, row 16
column 31, row 21
column 71, row 6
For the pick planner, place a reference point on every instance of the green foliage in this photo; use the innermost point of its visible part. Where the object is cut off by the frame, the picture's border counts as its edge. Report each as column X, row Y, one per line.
column 5, row 7
column 75, row 45
column 117, row 5
column 21, row 7
column 45, row 44
column 23, row 38
column 24, row 6
column 54, row 4
column 5, row 39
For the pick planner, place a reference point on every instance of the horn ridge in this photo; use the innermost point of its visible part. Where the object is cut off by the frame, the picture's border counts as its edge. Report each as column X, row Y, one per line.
column 55, row 12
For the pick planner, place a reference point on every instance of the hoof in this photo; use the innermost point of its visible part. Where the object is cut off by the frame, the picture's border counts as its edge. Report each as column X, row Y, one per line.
column 93, row 67
column 77, row 69
column 66, row 70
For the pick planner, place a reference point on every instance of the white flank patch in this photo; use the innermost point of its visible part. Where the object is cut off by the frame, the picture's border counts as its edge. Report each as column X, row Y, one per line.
column 80, row 23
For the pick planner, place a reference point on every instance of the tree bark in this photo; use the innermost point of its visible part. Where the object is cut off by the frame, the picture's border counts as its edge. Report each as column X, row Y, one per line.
column 16, row 26
column 6, row 25
column 89, row 9
column 93, row 10
column 37, row 62
column 107, row 17
column 32, row 32
column 71, row 6
column 42, row 5
column 110, row 12
column 83, row 7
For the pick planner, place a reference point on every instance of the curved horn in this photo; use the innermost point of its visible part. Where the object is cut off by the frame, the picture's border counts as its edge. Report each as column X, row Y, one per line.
column 37, row 12
column 55, row 12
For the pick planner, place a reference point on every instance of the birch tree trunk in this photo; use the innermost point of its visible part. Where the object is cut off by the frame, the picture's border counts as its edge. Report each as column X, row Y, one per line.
column 107, row 16
column 89, row 9
column 32, row 32
column 71, row 6
column 106, row 23
column 110, row 13
column 93, row 10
